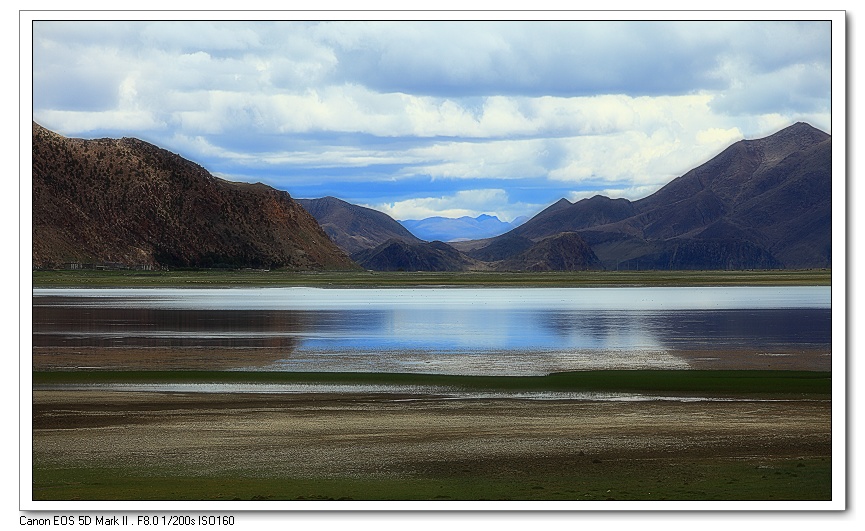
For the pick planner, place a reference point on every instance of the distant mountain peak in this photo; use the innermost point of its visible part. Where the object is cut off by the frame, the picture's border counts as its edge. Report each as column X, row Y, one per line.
column 803, row 127
column 457, row 229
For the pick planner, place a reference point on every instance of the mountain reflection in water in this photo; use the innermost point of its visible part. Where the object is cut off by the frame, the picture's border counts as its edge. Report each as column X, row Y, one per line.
column 447, row 330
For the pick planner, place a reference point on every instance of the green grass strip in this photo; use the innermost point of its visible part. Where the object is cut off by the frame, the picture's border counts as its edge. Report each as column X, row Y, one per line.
column 714, row 382
column 230, row 278
column 671, row 479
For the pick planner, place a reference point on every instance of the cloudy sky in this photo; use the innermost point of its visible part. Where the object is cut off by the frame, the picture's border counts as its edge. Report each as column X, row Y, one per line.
column 436, row 118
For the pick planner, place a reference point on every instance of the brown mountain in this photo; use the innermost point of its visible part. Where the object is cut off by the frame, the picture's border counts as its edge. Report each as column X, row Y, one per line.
column 398, row 255
column 355, row 228
column 129, row 202
column 762, row 203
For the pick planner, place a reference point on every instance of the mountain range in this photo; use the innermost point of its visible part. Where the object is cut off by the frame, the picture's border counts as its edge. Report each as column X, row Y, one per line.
column 460, row 229
column 759, row 204
column 763, row 203
column 131, row 204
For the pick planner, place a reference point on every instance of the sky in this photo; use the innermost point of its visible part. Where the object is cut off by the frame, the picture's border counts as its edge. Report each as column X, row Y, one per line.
column 436, row 118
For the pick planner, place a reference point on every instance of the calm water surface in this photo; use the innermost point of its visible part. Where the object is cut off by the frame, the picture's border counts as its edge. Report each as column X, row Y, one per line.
column 442, row 330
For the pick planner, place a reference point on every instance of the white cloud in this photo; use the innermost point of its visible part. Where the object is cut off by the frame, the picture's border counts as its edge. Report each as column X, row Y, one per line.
column 635, row 156
column 503, row 159
column 716, row 136
column 594, row 105
column 71, row 123
column 642, row 140
column 472, row 203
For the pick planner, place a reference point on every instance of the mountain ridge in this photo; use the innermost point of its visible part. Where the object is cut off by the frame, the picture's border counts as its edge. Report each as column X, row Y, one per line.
column 132, row 204
column 355, row 228
column 771, row 195
column 759, row 204
column 399, row 255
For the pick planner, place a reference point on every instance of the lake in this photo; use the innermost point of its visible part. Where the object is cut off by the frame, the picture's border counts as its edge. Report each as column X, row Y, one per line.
column 494, row 331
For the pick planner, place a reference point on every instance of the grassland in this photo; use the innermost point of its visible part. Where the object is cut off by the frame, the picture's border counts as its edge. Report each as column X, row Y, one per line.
column 628, row 480
column 228, row 278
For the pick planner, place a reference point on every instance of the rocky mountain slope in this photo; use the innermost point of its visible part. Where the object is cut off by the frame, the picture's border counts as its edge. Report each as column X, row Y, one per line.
column 355, row 228
column 130, row 203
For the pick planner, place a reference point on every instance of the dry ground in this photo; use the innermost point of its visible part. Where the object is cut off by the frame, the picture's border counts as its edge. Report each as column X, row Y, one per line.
column 366, row 437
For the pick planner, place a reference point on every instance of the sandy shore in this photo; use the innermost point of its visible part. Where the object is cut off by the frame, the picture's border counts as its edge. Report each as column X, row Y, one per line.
column 390, row 436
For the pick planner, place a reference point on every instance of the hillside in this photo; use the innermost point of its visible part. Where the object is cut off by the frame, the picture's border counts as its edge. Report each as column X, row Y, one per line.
column 566, row 251
column 398, row 255
column 759, row 204
column 132, row 204
column 355, row 228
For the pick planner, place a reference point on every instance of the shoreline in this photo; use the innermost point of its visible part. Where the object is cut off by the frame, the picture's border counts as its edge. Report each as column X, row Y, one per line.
column 378, row 279
column 702, row 382
column 267, row 359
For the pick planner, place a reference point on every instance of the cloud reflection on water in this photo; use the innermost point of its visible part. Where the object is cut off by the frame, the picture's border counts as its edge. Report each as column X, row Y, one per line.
column 457, row 331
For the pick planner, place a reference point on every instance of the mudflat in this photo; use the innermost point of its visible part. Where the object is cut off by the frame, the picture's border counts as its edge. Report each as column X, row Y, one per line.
column 104, row 444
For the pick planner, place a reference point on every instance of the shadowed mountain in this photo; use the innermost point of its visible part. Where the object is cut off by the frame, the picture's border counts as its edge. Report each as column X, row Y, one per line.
column 759, row 204
column 559, row 217
column 500, row 248
column 566, row 251
column 355, row 228
column 131, row 203
column 397, row 255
